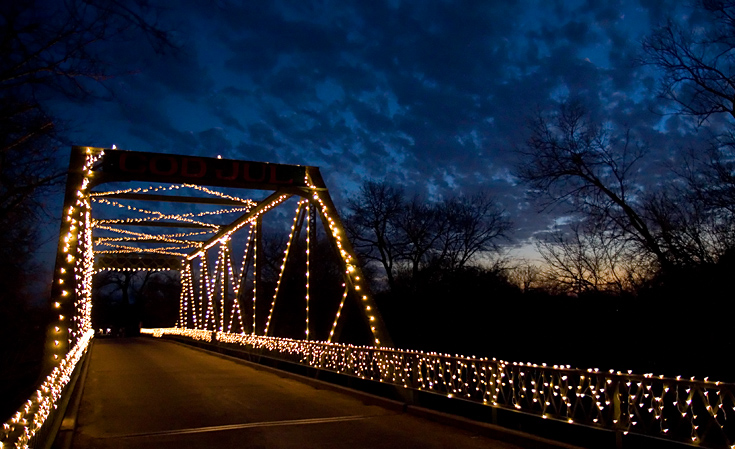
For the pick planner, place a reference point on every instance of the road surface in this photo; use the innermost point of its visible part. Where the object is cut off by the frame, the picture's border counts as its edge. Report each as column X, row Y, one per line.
column 148, row 393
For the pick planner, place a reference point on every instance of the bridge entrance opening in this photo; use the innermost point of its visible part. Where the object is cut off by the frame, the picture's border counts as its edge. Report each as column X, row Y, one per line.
column 253, row 248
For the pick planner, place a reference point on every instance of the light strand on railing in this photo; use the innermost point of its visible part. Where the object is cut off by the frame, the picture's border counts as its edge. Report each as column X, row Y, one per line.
column 25, row 423
column 550, row 392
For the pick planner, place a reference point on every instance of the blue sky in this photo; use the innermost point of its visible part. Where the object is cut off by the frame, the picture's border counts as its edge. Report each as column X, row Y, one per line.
column 434, row 95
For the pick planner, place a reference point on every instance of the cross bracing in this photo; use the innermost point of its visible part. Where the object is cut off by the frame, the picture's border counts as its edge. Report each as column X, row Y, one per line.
column 214, row 237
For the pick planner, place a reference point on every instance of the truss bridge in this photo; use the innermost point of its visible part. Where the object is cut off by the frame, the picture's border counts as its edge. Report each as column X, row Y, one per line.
column 267, row 277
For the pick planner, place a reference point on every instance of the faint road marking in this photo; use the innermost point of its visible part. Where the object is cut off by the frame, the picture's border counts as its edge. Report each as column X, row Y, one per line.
column 293, row 422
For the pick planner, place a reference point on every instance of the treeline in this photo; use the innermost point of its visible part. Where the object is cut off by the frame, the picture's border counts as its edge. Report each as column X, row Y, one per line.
column 414, row 239
column 569, row 310
column 638, row 277
column 124, row 301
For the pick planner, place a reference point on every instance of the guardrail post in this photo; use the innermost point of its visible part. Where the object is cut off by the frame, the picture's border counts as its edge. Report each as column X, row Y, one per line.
column 617, row 415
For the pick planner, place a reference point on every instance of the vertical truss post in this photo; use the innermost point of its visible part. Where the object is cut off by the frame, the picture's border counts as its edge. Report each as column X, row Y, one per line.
column 243, row 276
column 309, row 228
column 72, row 282
column 258, row 249
column 192, row 294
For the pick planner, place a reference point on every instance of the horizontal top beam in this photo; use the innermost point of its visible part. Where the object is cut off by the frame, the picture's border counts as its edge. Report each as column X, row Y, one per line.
column 159, row 224
column 174, row 199
column 147, row 240
column 124, row 166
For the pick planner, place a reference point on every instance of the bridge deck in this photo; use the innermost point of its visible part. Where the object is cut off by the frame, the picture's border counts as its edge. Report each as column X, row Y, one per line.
column 142, row 393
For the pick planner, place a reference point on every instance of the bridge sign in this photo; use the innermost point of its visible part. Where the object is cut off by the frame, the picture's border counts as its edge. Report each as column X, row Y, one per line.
column 174, row 168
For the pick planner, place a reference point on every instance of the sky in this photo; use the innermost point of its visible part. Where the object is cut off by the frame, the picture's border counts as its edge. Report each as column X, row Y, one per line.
column 433, row 95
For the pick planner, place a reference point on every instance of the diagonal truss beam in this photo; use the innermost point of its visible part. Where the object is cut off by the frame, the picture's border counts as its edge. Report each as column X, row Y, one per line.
column 225, row 231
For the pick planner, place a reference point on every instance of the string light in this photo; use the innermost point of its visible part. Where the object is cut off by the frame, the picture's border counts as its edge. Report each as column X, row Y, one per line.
column 308, row 244
column 339, row 313
column 255, row 278
column 70, row 339
column 283, row 265
column 644, row 403
column 556, row 392
column 161, row 188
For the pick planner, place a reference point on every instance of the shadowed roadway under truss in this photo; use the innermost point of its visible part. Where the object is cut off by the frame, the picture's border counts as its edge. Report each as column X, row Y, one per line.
column 149, row 393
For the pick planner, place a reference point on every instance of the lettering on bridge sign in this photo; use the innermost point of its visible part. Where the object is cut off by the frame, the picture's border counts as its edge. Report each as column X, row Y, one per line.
column 133, row 165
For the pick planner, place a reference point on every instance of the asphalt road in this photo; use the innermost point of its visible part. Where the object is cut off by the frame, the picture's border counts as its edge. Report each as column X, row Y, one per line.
column 147, row 393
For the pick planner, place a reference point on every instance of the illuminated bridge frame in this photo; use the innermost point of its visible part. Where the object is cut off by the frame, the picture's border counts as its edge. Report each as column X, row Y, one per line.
column 78, row 260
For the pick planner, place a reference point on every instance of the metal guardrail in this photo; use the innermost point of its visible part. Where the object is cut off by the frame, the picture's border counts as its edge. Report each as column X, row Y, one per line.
column 688, row 411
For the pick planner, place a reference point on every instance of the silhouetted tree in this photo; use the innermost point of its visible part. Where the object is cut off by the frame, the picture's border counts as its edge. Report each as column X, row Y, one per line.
column 587, row 257
column 372, row 224
column 471, row 225
column 117, row 298
column 420, row 225
column 408, row 238
column 573, row 161
column 157, row 300
column 698, row 66
column 51, row 47
column 698, row 63
column 524, row 275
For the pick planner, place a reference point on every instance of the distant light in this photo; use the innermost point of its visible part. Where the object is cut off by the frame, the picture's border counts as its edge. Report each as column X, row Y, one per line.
column 219, row 156
column 114, row 147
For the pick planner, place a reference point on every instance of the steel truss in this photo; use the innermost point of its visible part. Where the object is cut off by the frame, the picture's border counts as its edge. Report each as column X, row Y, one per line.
column 211, row 299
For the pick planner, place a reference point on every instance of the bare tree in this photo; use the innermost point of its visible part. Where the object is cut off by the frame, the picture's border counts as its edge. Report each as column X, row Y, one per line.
column 53, row 47
column 372, row 224
column 409, row 237
column 471, row 225
column 698, row 63
column 589, row 256
column 574, row 162
column 419, row 224
column 525, row 275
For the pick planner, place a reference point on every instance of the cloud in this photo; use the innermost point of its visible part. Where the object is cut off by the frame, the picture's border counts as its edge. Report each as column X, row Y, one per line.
column 428, row 94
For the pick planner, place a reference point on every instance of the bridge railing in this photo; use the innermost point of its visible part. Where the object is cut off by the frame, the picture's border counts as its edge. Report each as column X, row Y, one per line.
column 697, row 412
column 31, row 424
